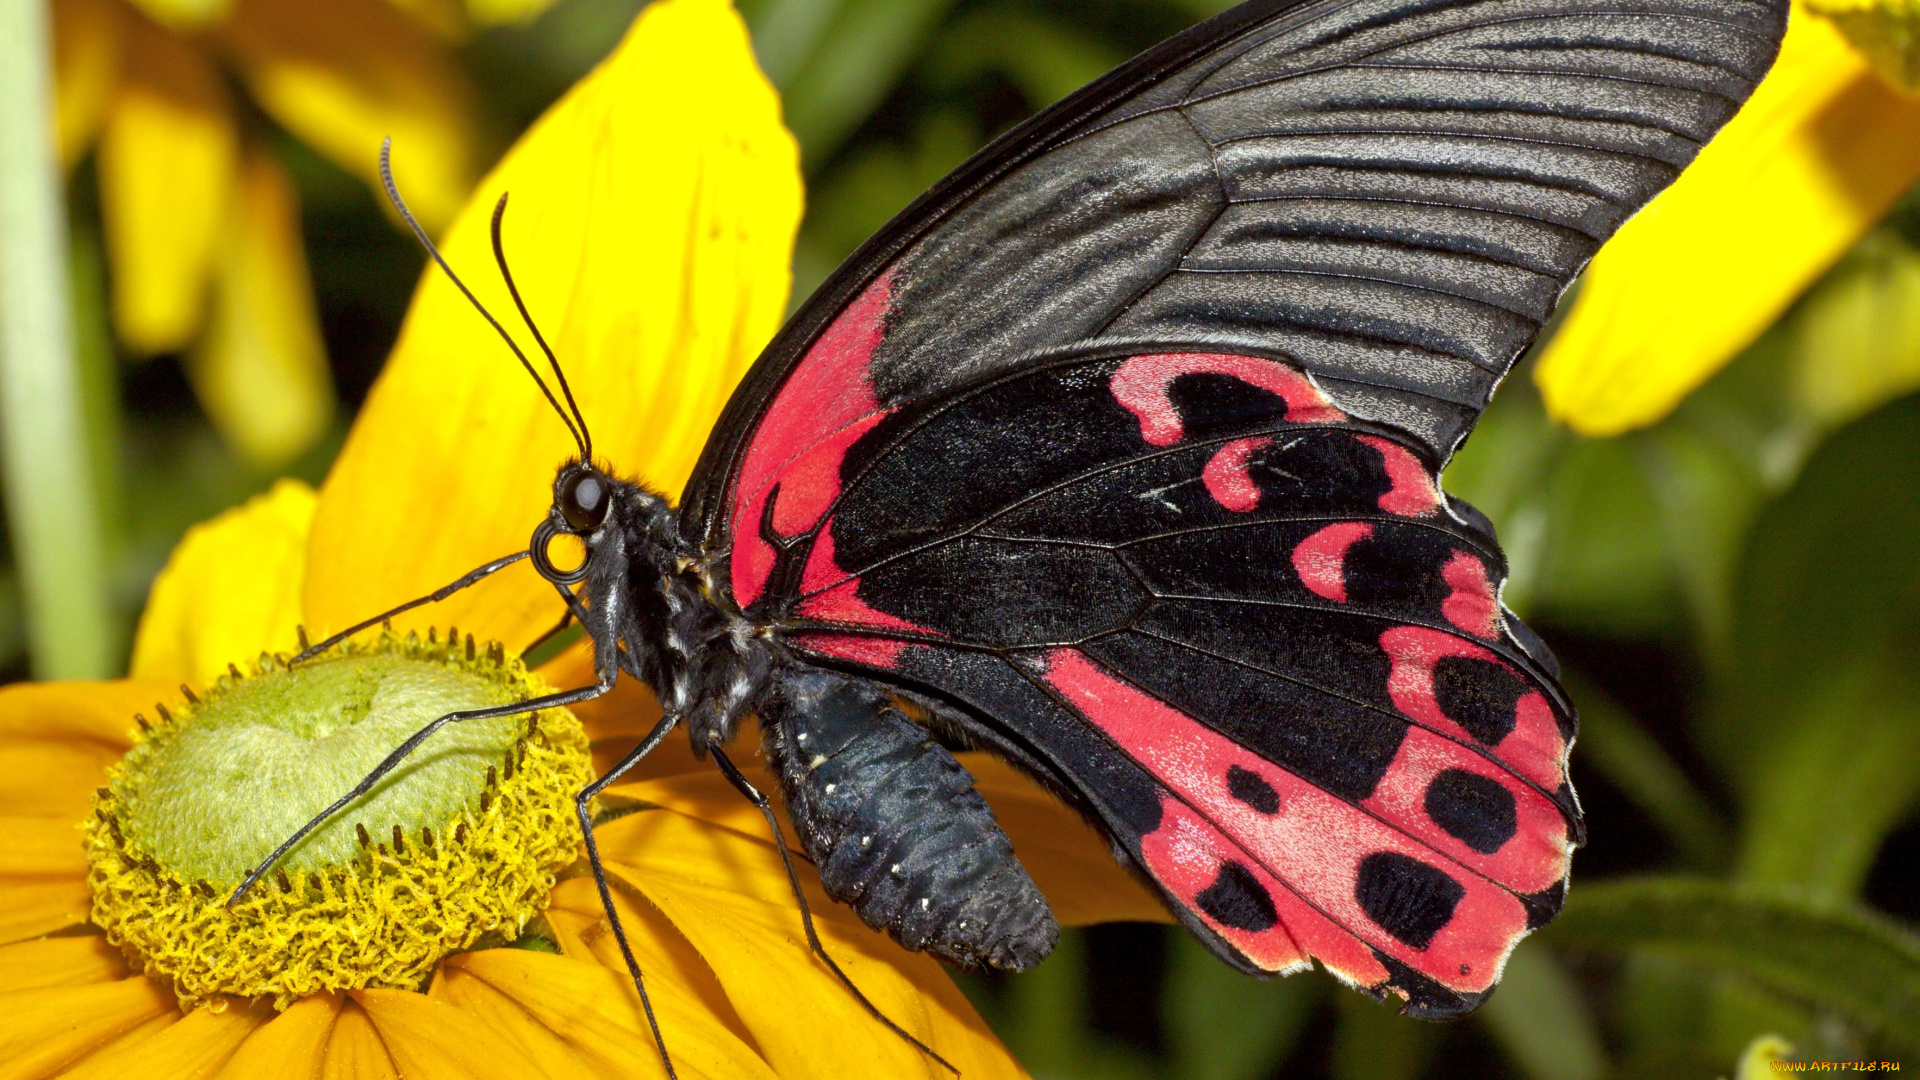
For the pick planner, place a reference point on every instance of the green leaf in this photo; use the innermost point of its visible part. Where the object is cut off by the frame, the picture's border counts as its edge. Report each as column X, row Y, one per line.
column 1856, row 336
column 860, row 193
column 1838, row 957
column 860, row 54
column 1046, row 60
column 1539, row 1018
column 1374, row 1042
column 1822, row 716
column 1707, row 495
column 1223, row 1025
column 1047, row 1027
column 786, row 32
column 1604, row 568
column 1632, row 761
column 1501, row 471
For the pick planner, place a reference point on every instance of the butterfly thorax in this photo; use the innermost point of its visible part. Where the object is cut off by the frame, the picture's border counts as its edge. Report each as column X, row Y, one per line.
column 676, row 630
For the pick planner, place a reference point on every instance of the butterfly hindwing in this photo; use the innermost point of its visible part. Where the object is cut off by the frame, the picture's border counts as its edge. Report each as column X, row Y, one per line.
column 1125, row 440
column 1263, row 608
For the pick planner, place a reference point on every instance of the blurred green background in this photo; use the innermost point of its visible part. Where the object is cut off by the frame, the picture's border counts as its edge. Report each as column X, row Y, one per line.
column 1735, row 592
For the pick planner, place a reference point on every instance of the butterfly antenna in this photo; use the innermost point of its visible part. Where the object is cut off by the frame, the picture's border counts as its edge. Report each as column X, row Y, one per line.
column 393, row 196
column 500, row 257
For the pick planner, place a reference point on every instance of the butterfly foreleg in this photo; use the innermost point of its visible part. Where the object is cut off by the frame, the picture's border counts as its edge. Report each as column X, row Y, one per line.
column 582, row 806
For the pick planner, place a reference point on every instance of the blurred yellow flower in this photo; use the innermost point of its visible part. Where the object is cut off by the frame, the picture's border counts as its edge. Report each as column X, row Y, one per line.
column 655, row 209
column 202, row 224
column 1792, row 183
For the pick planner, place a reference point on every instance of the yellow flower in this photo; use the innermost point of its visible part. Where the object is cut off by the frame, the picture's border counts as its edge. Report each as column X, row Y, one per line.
column 202, row 224
column 654, row 212
column 1792, row 183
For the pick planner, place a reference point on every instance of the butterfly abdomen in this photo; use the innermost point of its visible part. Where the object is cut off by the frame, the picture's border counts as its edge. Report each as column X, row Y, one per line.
column 896, row 827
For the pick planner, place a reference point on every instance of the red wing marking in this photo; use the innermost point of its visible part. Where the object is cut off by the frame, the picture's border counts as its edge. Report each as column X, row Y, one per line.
column 1520, row 727
column 1141, row 385
column 1192, row 858
column 1381, row 885
column 809, row 485
column 1471, row 606
column 823, row 565
column 1321, row 559
column 1475, row 812
column 1413, row 494
column 877, row 652
column 1227, row 478
column 827, row 392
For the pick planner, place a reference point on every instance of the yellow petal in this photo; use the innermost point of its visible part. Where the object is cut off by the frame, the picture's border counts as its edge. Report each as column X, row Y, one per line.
column 290, row 1046
column 651, row 226
column 86, row 67
column 592, row 1008
column 354, row 1050
column 728, row 895
column 504, row 1015
column 37, row 847
column 195, row 1047
column 344, row 74
column 1856, row 338
column 31, row 908
column 497, row 12
column 140, row 1032
column 1815, row 158
column 445, row 18
column 260, row 370
column 57, row 739
column 166, row 162
column 185, row 14
column 61, row 961
column 230, row 591
column 51, row 779
column 1072, row 864
column 98, row 712
column 42, row 1030
column 434, row 1040
column 580, row 923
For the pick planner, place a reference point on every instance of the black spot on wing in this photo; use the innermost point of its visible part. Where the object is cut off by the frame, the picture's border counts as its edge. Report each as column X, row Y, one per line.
column 1236, row 899
column 1247, row 786
column 1545, row 904
column 1479, row 695
column 1476, row 810
column 1408, row 898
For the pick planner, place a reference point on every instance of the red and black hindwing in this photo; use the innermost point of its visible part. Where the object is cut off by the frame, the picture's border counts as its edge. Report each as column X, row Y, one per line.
column 1126, row 441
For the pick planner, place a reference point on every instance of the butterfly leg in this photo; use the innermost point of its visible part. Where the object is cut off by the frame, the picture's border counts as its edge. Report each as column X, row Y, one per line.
column 759, row 799
column 581, row 808
column 470, row 578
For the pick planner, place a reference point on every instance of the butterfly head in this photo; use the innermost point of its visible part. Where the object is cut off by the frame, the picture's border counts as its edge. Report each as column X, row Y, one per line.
column 581, row 496
column 617, row 520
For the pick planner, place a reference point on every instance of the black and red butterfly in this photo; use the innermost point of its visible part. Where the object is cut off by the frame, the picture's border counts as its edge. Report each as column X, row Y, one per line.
column 1118, row 453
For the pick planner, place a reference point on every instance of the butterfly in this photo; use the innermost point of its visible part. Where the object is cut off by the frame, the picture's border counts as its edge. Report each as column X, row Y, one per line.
column 1118, row 452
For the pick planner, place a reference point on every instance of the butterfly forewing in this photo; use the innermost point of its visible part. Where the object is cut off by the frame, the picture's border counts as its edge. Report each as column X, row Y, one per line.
column 1125, row 440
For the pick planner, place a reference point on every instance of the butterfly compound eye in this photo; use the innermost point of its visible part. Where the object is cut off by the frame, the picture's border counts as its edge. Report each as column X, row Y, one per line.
column 583, row 502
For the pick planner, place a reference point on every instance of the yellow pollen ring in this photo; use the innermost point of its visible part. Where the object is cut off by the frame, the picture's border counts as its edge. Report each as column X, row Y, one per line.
column 404, row 899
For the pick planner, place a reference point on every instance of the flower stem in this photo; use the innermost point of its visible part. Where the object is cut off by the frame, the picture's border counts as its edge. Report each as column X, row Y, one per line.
column 52, row 511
